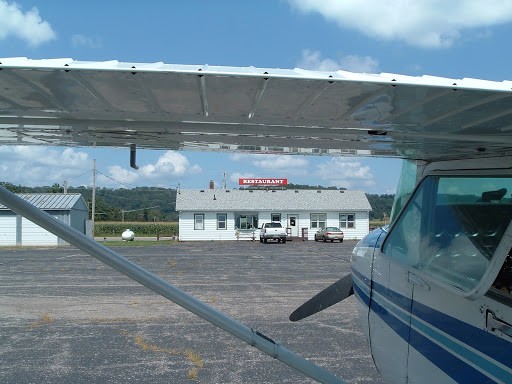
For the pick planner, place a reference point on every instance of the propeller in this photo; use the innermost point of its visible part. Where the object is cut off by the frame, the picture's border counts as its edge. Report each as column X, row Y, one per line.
column 331, row 295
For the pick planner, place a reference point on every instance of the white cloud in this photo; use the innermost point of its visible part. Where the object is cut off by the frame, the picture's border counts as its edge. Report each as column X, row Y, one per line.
column 346, row 173
column 240, row 175
column 33, row 166
column 27, row 26
column 279, row 162
column 37, row 165
column 422, row 23
column 86, row 41
column 313, row 60
column 270, row 161
column 165, row 171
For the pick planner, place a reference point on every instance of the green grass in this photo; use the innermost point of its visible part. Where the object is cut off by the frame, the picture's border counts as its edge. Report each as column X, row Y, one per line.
column 377, row 223
column 109, row 228
column 134, row 243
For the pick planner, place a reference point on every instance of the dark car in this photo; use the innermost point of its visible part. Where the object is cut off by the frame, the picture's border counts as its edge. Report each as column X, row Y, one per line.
column 329, row 233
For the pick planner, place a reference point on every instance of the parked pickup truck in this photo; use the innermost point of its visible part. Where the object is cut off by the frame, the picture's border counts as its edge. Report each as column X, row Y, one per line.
column 272, row 231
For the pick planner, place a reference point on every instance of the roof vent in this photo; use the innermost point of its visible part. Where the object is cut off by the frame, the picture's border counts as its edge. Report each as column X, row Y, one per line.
column 318, row 191
column 251, row 191
column 274, row 191
column 342, row 191
column 227, row 190
column 202, row 190
column 296, row 191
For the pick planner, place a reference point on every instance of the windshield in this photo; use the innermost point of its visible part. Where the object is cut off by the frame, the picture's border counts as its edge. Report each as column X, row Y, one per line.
column 405, row 186
column 452, row 226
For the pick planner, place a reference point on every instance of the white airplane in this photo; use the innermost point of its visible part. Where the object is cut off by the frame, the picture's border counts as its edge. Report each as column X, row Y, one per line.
column 434, row 289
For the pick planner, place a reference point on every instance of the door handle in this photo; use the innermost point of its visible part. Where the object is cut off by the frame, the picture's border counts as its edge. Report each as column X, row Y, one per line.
column 495, row 324
column 418, row 281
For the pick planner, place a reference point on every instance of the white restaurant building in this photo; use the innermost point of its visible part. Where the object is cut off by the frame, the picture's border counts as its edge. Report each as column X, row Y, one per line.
column 218, row 214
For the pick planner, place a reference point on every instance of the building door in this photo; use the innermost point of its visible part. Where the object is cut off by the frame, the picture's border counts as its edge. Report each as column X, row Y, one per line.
column 293, row 224
column 8, row 230
column 33, row 234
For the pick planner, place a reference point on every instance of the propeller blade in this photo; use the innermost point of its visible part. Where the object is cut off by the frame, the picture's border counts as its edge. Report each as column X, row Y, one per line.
column 331, row 295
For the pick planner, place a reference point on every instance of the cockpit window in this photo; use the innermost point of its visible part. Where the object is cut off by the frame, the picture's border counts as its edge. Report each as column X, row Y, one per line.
column 452, row 226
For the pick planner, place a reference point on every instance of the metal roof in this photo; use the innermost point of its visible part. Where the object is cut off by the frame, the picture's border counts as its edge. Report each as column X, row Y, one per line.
column 248, row 109
column 50, row 201
column 219, row 200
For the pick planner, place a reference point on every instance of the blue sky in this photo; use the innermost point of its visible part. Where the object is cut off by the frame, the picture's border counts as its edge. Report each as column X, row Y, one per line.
column 456, row 38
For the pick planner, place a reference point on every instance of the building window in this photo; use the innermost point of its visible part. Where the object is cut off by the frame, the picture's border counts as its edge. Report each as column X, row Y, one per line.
column 275, row 217
column 347, row 220
column 318, row 220
column 222, row 220
column 199, row 221
column 246, row 220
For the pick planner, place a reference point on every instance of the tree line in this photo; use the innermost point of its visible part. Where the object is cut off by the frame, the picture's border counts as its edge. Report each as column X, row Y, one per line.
column 157, row 204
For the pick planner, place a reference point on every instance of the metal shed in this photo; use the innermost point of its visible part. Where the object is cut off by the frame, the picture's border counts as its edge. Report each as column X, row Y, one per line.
column 70, row 208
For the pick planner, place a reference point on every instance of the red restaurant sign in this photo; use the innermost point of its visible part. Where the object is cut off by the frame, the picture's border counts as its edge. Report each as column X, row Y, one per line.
column 262, row 182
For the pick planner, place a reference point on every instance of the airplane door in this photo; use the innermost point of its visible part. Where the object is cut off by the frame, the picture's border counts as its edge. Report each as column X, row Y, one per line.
column 457, row 340
column 451, row 244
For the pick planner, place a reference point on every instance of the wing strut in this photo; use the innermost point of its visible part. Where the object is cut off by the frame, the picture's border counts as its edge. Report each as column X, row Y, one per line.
column 165, row 289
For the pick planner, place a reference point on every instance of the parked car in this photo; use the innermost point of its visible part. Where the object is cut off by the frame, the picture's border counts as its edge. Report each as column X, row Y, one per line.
column 329, row 233
column 272, row 231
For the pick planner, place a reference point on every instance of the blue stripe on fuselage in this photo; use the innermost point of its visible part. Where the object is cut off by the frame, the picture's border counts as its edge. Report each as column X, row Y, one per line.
column 485, row 342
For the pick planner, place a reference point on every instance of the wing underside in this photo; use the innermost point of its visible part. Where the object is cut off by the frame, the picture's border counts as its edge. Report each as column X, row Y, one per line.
column 163, row 106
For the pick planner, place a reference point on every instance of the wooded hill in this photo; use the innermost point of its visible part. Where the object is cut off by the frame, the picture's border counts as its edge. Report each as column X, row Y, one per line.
column 159, row 204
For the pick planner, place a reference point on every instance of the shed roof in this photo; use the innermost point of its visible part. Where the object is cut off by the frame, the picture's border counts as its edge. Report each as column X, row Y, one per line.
column 50, row 201
column 261, row 200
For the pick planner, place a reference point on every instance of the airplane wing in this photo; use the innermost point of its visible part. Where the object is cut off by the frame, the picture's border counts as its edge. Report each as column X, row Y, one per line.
column 261, row 110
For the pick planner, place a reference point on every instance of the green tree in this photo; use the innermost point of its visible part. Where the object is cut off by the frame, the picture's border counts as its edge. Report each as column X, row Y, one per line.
column 55, row 188
column 381, row 204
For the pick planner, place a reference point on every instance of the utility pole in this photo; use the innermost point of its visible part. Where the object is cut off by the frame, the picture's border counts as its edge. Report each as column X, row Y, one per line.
column 66, row 186
column 93, row 193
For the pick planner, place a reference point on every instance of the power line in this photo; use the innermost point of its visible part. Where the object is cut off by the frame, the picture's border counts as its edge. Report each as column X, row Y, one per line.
column 117, row 181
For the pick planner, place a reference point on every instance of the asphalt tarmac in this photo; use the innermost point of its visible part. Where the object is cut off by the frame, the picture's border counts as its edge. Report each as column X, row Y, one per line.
column 67, row 318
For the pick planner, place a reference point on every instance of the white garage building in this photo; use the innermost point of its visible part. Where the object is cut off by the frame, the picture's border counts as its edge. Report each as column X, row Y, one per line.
column 68, row 208
column 217, row 214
